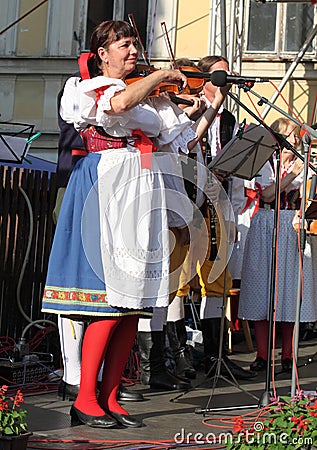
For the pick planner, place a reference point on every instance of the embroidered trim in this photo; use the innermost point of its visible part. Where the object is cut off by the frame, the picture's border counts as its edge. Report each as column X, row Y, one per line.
column 181, row 141
column 73, row 295
column 95, row 139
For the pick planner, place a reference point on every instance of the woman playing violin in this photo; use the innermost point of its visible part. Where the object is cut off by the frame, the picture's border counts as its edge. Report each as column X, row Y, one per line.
column 110, row 256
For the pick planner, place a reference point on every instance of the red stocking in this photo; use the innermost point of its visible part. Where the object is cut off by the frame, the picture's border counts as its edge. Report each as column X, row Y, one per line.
column 95, row 342
column 261, row 328
column 115, row 360
column 287, row 339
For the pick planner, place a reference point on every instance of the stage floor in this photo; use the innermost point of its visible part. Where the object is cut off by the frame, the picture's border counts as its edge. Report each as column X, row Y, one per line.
column 170, row 418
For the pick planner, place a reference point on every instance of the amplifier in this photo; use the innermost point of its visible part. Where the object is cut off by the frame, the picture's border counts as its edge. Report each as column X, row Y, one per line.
column 23, row 372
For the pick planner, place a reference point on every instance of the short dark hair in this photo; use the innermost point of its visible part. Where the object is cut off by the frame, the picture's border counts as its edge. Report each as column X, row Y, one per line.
column 206, row 63
column 103, row 35
column 181, row 62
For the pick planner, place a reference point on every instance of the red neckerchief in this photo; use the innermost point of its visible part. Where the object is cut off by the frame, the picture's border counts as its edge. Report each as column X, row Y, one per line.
column 253, row 195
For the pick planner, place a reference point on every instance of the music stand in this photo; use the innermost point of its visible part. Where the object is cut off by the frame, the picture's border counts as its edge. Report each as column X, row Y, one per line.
column 283, row 143
column 245, row 154
column 15, row 141
column 243, row 157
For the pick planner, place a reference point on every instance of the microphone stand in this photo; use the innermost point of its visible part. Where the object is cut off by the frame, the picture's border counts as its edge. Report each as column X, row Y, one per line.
column 306, row 143
column 263, row 100
column 282, row 143
column 302, row 241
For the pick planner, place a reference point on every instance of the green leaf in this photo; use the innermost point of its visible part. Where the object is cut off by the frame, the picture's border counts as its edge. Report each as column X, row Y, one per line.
column 245, row 447
column 286, row 399
column 7, row 431
column 280, row 422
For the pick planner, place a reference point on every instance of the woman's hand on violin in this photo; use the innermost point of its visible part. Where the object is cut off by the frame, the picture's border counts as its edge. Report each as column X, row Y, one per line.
column 199, row 106
column 143, row 87
column 196, row 109
column 175, row 77
column 298, row 166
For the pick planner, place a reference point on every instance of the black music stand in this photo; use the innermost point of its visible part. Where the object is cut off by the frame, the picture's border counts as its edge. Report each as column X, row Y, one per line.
column 241, row 157
column 245, row 154
column 15, row 141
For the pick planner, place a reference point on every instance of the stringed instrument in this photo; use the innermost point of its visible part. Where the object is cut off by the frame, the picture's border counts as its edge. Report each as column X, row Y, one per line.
column 143, row 70
column 194, row 84
column 196, row 80
column 310, row 202
column 311, row 187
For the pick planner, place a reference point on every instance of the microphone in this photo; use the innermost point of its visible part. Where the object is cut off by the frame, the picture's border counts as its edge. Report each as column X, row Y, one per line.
column 220, row 78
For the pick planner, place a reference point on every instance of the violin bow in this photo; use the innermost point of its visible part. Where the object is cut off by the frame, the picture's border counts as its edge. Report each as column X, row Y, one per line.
column 168, row 45
column 203, row 75
column 143, row 51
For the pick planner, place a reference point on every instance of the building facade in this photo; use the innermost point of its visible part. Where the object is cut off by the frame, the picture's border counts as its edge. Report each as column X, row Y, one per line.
column 41, row 40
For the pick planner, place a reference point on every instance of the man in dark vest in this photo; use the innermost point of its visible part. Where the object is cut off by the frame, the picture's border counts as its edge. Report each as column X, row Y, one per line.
column 220, row 132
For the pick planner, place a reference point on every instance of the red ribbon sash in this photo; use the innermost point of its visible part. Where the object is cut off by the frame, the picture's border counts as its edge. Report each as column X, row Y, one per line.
column 146, row 147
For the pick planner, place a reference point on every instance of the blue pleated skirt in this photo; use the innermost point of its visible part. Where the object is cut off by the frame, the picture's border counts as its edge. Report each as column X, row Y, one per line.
column 75, row 284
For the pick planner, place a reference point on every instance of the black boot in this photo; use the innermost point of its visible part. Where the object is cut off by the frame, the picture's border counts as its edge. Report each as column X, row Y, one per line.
column 124, row 395
column 211, row 338
column 152, row 363
column 210, row 329
column 177, row 336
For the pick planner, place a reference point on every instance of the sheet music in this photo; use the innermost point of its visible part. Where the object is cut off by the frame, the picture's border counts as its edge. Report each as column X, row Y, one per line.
column 246, row 153
column 12, row 148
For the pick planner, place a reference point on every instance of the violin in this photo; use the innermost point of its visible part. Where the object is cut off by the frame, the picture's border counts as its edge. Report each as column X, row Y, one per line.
column 143, row 70
column 194, row 83
column 310, row 224
column 311, row 186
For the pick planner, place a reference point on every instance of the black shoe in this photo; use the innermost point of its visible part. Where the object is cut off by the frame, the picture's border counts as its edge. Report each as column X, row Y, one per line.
column 67, row 391
column 181, row 352
column 227, row 369
column 190, row 373
column 184, row 367
column 126, row 420
column 166, row 380
column 259, row 364
column 124, row 395
column 233, row 369
column 79, row 418
column 152, row 363
column 287, row 365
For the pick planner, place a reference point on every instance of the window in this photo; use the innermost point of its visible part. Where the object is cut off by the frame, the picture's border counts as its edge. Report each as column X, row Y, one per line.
column 97, row 12
column 139, row 9
column 279, row 28
column 117, row 9
column 262, row 27
column 300, row 20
